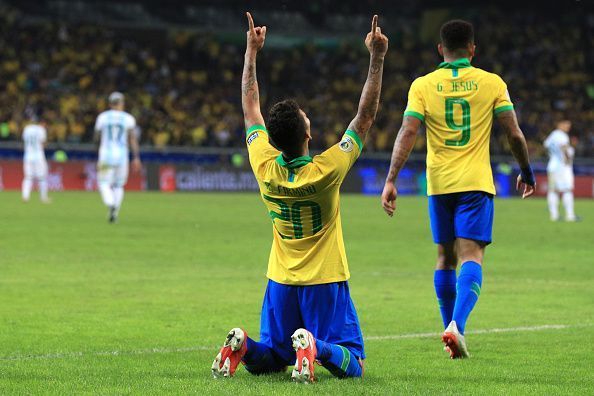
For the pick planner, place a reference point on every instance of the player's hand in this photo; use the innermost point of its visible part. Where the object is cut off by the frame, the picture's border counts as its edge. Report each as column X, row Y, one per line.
column 255, row 35
column 528, row 189
column 136, row 165
column 389, row 198
column 376, row 42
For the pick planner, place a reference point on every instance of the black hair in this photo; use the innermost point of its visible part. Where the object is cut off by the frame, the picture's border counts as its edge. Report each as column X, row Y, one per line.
column 286, row 127
column 456, row 34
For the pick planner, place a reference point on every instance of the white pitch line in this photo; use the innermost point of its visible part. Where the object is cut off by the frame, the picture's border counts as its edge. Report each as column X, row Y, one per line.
column 480, row 331
column 150, row 351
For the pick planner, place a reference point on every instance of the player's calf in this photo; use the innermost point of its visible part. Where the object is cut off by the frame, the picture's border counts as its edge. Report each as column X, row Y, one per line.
column 233, row 350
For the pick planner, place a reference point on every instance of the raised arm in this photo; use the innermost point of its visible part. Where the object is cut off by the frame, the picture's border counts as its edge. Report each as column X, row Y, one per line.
column 377, row 44
column 403, row 145
column 519, row 149
column 250, row 97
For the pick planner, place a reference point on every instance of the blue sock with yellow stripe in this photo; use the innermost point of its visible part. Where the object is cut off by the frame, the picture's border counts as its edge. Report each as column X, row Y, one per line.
column 468, row 290
column 338, row 360
column 445, row 289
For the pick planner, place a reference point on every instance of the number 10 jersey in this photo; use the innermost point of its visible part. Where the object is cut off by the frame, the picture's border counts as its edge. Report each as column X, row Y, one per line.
column 302, row 200
column 457, row 102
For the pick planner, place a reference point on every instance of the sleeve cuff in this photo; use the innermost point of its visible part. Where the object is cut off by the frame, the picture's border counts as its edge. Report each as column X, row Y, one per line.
column 256, row 127
column 502, row 109
column 415, row 114
column 353, row 135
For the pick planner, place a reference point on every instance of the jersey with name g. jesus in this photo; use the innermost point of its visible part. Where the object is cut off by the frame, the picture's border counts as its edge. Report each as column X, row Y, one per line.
column 457, row 102
column 302, row 200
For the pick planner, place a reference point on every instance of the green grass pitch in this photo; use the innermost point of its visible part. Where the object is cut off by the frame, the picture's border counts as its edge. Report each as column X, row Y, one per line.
column 142, row 307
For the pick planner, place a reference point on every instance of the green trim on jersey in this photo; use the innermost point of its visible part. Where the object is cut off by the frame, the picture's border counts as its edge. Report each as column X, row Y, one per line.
column 295, row 162
column 502, row 109
column 353, row 135
column 457, row 64
column 415, row 114
column 256, row 127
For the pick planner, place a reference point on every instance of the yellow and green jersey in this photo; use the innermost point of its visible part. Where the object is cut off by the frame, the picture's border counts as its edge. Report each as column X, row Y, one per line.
column 457, row 102
column 302, row 200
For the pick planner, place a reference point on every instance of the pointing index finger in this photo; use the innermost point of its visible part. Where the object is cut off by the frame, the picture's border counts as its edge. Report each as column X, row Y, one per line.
column 250, row 21
column 374, row 24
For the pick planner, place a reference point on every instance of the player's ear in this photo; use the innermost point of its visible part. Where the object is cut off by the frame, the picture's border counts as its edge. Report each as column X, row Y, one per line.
column 440, row 49
column 471, row 50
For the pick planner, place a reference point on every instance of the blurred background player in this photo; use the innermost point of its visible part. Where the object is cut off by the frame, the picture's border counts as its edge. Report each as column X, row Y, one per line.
column 117, row 131
column 34, row 162
column 560, row 171
column 458, row 102
column 307, row 313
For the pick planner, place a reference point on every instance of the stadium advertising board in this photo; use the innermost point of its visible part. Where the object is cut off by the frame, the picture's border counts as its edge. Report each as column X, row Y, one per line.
column 63, row 176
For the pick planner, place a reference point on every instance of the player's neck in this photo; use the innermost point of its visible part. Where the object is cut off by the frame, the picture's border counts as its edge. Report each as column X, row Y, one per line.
column 447, row 57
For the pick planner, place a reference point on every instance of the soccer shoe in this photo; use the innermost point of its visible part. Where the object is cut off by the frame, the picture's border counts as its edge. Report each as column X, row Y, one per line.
column 233, row 350
column 304, row 345
column 454, row 342
column 113, row 214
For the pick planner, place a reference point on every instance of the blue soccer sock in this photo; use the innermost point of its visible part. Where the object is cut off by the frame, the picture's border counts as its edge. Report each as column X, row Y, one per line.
column 445, row 289
column 338, row 360
column 468, row 291
column 261, row 359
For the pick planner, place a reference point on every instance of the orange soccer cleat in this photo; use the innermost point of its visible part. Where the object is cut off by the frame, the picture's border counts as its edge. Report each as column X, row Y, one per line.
column 233, row 350
column 304, row 344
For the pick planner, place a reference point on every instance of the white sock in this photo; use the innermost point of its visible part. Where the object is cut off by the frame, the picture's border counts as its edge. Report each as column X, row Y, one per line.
column 26, row 187
column 106, row 194
column 568, row 204
column 118, row 194
column 43, row 189
column 553, row 200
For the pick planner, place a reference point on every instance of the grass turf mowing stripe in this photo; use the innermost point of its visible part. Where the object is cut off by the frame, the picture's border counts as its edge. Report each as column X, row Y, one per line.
column 65, row 355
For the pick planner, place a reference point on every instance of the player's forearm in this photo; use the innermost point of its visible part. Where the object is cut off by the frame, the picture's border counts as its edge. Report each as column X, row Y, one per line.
column 369, row 102
column 135, row 148
column 519, row 149
column 250, row 96
column 403, row 145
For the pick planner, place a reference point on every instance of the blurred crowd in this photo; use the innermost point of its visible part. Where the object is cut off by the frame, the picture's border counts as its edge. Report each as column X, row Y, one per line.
column 184, row 88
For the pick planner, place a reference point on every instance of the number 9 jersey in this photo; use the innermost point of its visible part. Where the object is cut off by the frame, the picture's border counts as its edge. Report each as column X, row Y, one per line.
column 457, row 102
column 302, row 200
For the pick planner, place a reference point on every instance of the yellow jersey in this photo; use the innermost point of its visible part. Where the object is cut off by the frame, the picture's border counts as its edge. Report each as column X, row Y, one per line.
column 302, row 200
column 457, row 102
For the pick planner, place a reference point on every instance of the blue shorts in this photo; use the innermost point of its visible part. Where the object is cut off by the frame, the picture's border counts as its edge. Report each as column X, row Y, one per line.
column 466, row 215
column 327, row 311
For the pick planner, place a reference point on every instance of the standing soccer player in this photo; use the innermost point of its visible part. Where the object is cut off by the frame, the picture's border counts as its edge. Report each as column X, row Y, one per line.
column 560, row 171
column 34, row 162
column 115, row 128
column 457, row 102
column 307, row 313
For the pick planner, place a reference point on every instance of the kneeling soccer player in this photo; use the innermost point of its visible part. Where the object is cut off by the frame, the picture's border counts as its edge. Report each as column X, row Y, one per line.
column 307, row 313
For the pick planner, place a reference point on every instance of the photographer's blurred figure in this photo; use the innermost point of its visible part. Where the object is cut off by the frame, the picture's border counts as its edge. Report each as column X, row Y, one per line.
column 560, row 171
column 34, row 162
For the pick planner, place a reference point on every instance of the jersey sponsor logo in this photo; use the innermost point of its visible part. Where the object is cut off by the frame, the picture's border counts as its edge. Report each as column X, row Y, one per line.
column 252, row 137
column 346, row 144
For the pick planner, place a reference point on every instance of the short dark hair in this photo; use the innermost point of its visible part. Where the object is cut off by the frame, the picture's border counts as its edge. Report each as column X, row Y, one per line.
column 286, row 127
column 456, row 34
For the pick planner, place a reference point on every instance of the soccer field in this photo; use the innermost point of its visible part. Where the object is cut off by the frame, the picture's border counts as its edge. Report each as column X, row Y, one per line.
column 143, row 306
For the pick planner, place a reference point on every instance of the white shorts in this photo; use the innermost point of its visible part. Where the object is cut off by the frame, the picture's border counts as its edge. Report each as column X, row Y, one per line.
column 115, row 176
column 35, row 169
column 561, row 180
